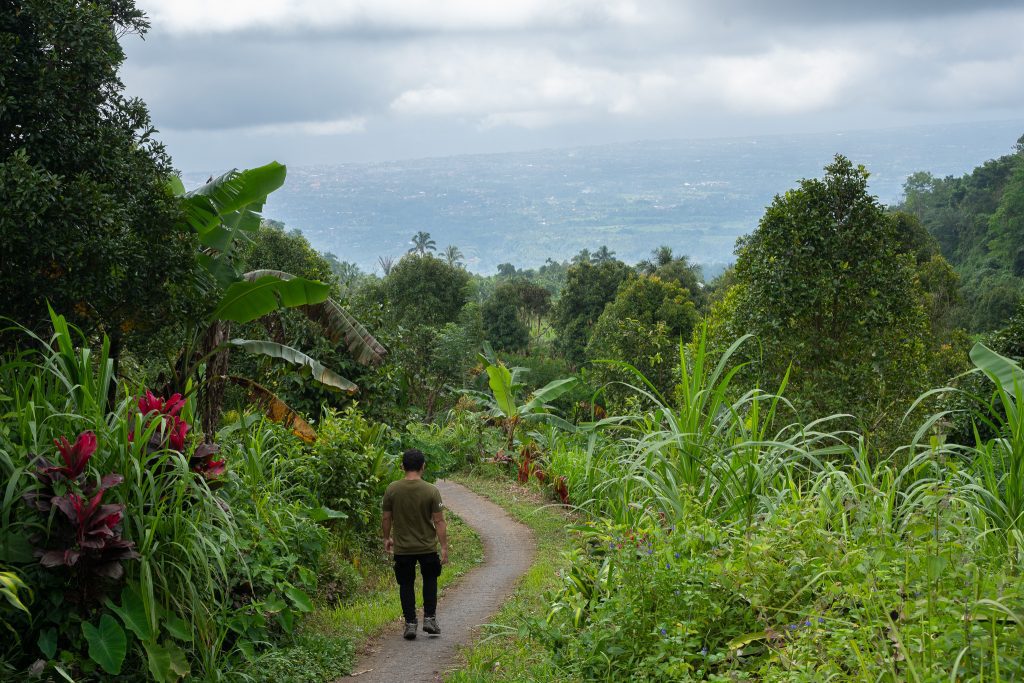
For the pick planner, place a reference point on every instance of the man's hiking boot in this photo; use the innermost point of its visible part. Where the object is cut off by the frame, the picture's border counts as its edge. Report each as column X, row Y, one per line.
column 430, row 626
column 410, row 630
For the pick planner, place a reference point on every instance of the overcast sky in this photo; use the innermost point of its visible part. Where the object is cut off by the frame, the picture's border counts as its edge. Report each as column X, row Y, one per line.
column 241, row 82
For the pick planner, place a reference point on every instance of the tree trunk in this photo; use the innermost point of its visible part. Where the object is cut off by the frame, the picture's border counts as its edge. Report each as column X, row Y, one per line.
column 211, row 398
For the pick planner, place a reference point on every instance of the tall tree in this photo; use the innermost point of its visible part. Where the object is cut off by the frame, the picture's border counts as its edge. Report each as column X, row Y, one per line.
column 424, row 290
column 502, row 325
column 588, row 288
column 667, row 266
column 87, row 223
column 422, row 244
column 453, row 256
column 643, row 326
column 825, row 288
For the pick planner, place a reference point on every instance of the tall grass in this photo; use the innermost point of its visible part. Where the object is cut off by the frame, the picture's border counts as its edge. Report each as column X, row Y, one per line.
column 904, row 565
column 213, row 564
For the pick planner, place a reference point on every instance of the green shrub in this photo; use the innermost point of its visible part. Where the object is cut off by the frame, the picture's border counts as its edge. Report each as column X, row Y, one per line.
column 338, row 580
column 787, row 600
column 354, row 466
column 313, row 659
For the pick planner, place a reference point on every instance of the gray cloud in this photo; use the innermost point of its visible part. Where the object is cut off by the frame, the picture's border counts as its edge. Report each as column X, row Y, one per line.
column 340, row 79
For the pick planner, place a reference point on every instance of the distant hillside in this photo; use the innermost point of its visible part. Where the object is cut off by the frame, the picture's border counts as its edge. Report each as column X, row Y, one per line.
column 978, row 220
column 696, row 196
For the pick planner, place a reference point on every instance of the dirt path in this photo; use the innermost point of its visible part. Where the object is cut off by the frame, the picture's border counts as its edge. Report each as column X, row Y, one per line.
column 509, row 548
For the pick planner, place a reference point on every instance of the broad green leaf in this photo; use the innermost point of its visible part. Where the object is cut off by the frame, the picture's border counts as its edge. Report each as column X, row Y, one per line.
column 167, row 662
column 47, row 642
column 336, row 323
column 322, row 514
column 107, row 644
column 178, row 627
column 549, row 392
column 317, row 371
column 221, row 269
column 274, row 603
column 500, row 381
column 286, row 619
column 247, row 300
column 133, row 614
column 299, row 599
column 175, row 186
column 237, row 190
column 1006, row 373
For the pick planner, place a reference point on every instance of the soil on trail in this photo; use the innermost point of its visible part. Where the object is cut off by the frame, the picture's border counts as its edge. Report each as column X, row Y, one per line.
column 509, row 549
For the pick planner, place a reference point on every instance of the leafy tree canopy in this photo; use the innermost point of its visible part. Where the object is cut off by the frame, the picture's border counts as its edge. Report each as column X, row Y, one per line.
column 643, row 326
column 823, row 286
column 425, row 290
column 87, row 221
column 503, row 326
column 678, row 269
column 588, row 288
column 978, row 223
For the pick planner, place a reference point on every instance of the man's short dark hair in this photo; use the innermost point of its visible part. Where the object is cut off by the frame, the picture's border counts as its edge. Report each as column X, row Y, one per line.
column 413, row 460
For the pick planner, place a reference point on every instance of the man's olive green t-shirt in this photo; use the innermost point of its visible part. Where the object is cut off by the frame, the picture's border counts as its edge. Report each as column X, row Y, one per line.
column 412, row 503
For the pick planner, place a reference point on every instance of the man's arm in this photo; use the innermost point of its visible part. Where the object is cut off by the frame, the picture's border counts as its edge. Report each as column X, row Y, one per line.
column 441, row 527
column 385, row 532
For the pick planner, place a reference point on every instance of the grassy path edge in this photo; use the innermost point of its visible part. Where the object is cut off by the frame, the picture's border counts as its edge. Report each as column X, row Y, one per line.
column 501, row 652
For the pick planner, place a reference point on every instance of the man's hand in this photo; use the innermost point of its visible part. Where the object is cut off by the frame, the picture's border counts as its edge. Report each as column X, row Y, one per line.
column 389, row 545
column 444, row 556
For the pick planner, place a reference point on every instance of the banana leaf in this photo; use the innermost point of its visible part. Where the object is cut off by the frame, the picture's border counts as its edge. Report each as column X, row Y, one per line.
column 276, row 409
column 247, row 299
column 316, row 369
column 336, row 323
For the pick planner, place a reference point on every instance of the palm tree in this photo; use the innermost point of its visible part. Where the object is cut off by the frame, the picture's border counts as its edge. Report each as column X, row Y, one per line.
column 453, row 255
column 603, row 254
column 421, row 243
column 660, row 257
column 386, row 264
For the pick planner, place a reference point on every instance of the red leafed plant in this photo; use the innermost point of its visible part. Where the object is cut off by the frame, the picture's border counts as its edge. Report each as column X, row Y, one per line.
column 75, row 457
column 202, row 461
column 562, row 489
column 89, row 539
column 85, row 537
column 172, row 431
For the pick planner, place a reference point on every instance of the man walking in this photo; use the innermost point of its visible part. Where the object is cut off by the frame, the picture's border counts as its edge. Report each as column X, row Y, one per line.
column 412, row 524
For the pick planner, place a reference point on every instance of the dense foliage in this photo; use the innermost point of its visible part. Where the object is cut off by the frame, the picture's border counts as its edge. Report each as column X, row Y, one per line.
column 589, row 286
column 978, row 220
column 764, row 494
column 834, row 304
column 87, row 222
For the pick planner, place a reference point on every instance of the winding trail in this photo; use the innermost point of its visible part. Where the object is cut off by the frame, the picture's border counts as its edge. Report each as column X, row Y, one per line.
column 509, row 549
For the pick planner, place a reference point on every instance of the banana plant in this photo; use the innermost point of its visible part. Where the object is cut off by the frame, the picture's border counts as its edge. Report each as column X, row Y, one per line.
column 223, row 212
column 503, row 401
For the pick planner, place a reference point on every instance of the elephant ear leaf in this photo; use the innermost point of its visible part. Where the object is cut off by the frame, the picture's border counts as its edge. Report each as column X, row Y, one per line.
column 107, row 644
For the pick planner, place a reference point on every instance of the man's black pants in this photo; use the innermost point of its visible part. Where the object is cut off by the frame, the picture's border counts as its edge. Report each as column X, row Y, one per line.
column 405, row 574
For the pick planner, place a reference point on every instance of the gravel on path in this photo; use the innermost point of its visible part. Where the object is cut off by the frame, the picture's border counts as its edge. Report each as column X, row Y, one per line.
column 509, row 548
